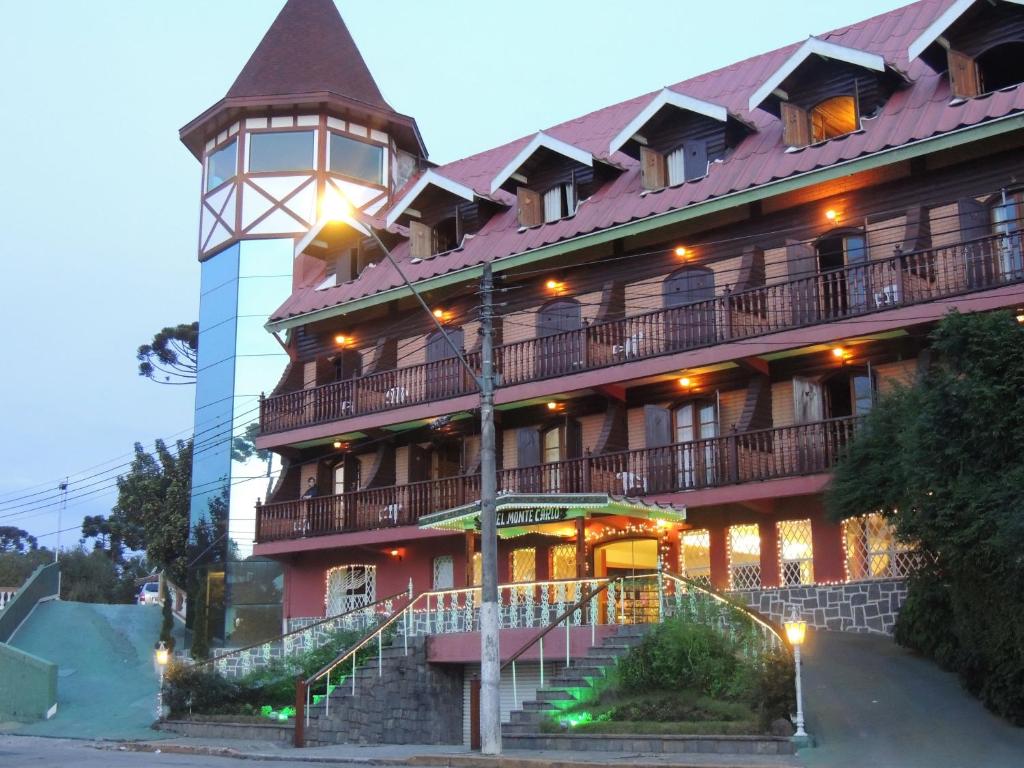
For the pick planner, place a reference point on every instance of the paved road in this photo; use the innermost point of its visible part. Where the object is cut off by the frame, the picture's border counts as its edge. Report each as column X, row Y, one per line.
column 872, row 703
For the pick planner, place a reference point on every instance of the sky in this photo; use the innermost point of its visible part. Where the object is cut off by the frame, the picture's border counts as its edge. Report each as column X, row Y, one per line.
column 99, row 200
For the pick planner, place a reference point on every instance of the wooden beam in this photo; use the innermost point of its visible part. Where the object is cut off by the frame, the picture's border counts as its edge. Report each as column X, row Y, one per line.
column 612, row 391
column 753, row 364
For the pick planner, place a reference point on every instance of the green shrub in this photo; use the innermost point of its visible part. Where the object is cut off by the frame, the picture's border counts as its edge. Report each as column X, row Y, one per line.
column 925, row 622
column 167, row 623
column 774, row 694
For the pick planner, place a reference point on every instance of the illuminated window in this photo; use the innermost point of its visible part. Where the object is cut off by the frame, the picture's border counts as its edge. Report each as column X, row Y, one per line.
column 872, row 551
column 833, row 117
column 744, row 557
column 559, row 202
column 222, row 165
column 478, row 569
column 350, row 587
column 695, row 556
column 796, row 553
column 563, row 561
column 523, row 564
column 444, row 572
column 356, row 159
column 278, row 151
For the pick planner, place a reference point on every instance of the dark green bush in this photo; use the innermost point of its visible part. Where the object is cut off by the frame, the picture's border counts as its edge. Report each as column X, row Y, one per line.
column 774, row 694
column 925, row 621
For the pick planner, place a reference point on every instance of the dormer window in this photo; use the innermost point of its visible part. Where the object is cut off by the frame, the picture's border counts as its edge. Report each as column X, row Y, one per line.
column 550, row 178
column 440, row 213
column 676, row 137
column 822, row 91
column 980, row 44
column 560, row 201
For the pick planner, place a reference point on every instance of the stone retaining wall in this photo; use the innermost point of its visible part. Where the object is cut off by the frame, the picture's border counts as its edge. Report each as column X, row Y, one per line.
column 411, row 702
column 202, row 729
column 594, row 742
column 863, row 606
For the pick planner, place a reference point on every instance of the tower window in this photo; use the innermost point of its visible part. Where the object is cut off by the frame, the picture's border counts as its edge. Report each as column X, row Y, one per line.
column 222, row 165
column 356, row 159
column 278, row 151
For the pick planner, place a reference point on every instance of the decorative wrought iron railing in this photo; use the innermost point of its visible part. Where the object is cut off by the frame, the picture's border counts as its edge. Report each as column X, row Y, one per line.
column 901, row 280
column 646, row 598
column 732, row 459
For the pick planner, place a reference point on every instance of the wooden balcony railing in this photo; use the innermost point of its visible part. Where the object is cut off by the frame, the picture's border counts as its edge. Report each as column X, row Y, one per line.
column 901, row 280
column 738, row 458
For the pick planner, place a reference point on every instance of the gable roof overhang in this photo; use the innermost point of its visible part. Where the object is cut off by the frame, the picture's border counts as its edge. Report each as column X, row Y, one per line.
column 666, row 98
column 429, row 178
column 540, row 140
column 195, row 134
column 933, row 33
column 814, row 46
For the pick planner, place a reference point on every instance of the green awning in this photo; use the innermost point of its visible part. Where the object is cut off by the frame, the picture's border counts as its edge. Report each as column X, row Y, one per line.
column 521, row 510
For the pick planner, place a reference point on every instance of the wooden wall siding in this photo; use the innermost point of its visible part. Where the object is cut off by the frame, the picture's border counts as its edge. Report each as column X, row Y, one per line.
column 590, row 429
column 884, row 235
column 635, row 429
column 307, row 471
column 775, row 266
column 471, row 450
column 402, row 465
column 309, row 375
column 898, row 373
column 976, row 32
column 945, row 225
column 782, row 404
column 509, row 449
column 644, row 295
column 412, row 350
column 590, row 306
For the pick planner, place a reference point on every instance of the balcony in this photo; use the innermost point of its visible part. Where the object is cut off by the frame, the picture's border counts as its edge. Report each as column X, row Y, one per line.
column 902, row 280
column 738, row 458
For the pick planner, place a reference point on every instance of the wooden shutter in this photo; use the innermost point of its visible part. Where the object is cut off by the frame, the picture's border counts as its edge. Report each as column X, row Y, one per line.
column 917, row 234
column 350, row 364
column 808, row 405
column 695, row 159
column 421, row 239
column 975, row 222
column 802, row 265
column 530, row 212
column 757, row 407
column 344, row 266
column 615, row 430
column 751, row 274
column 964, row 80
column 974, row 218
column 657, row 426
column 573, row 448
column 382, row 471
column 796, row 125
column 419, row 467
column 652, row 168
column 527, row 447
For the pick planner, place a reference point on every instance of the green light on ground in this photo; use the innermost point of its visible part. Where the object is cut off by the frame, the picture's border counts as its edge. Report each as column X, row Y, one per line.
column 574, row 719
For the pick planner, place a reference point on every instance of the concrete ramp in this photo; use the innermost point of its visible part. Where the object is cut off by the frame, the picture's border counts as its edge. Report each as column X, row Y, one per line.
column 107, row 681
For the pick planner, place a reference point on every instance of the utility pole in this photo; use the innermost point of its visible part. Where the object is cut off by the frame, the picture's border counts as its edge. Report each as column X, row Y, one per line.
column 63, row 488
column 490, row 657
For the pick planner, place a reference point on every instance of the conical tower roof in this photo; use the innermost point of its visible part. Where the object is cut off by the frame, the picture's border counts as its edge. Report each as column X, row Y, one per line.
column 308, row 49
column 307, row 60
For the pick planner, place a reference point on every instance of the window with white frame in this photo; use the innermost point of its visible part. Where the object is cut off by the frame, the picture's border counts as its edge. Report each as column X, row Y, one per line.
column 695, row 555
column 796, row 553
column 357, row 159
column 873, row 552
column 350, row 587
column 444, row 572
column 744, row 557
column 281, row 151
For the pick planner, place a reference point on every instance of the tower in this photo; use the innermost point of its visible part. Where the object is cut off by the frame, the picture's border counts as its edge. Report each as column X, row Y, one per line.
column 303, row 122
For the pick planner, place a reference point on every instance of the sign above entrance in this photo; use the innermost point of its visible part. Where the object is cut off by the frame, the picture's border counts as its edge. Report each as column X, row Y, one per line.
column 522, row 510
column 517, row 518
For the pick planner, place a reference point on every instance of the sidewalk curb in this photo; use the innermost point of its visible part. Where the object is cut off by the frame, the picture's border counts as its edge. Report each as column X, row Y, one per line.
column 426, row 761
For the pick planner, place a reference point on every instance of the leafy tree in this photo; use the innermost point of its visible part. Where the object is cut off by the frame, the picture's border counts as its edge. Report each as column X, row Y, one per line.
column 13, row 539
column 107, row 534
column 942, row 462
column 91, row 577
column 16, row 567
column 167, row 622
column 152, row 510
column 172, row 356
column 244, row 447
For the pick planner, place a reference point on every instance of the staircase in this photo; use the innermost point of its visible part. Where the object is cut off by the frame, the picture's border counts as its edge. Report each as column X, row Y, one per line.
column 404, row 700
column 577, row 682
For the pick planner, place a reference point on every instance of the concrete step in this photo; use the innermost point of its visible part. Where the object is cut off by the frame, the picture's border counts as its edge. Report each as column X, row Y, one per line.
column 553, row 694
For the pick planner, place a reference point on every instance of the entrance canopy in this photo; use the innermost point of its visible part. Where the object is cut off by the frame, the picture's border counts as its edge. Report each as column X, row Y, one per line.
column 520, row 511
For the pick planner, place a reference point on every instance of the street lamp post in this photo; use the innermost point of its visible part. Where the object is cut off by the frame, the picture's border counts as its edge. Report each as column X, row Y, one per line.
column 796, row 630
column 162, row 657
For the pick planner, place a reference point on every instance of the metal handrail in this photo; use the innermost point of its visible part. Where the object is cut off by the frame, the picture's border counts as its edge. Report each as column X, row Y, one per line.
column 335, row 617
column 755, row 616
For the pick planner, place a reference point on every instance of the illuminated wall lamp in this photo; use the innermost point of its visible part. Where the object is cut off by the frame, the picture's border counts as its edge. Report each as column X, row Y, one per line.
column 552, row 406
column 342, row 340
column 685, row 382
column 681, row 251
column 439, row 314
column 554, row 285
column 1020, row 315
column 338, row 444
column 841, row 353
column 832, row 215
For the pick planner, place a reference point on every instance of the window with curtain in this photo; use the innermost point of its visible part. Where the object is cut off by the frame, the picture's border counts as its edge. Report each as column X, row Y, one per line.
column 744, row 557
column 350, row 587
column 796, row 553
column 444, row 572
column 695, row 555
column 523, row 564
column 559, row 202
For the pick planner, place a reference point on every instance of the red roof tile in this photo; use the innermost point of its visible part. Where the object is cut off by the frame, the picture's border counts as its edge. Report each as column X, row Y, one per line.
column 919, row 111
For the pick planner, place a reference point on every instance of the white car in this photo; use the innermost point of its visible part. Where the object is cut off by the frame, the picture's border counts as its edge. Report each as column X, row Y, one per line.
column 149, row 594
